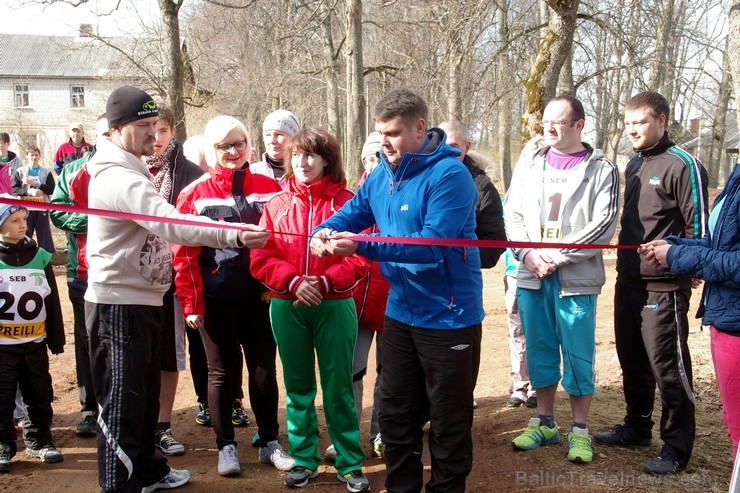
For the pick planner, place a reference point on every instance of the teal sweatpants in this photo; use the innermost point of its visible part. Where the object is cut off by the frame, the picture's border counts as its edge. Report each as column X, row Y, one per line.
column 553, row 323
column 329, row 331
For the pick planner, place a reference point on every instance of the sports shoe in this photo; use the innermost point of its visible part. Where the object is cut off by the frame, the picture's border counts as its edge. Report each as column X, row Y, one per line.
column 5, row 456
column 579, row 446
column 535, row 436
column 173, row 479
column 378, row 447
column 514, row 402
column 203, row 417
column 298, row 477
column 475, row 404
column 87, row 427
column 228, row 461
column 165, row 442
column 47, row 453
column 238, row 414
column 623, row 436
column 531, row 402
column 272, row 453
column 331, row 453
column 355, row 481
column 663, row 464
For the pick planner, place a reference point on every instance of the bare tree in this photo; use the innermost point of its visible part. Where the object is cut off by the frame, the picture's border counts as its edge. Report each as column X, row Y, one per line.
column 356, row 103
column 733, row 49
column 545, row 73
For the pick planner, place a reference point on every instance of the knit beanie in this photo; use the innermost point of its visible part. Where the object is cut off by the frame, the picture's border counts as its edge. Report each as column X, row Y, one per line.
column 7, row 210
column 371, row 145
column 128, row 104
column 283, row 121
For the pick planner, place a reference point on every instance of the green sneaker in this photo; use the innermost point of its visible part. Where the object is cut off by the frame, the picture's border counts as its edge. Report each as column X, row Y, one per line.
column 580, row 446
column 536, row 435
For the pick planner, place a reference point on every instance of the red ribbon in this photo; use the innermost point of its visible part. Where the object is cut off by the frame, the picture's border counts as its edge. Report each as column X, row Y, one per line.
column 445, row 242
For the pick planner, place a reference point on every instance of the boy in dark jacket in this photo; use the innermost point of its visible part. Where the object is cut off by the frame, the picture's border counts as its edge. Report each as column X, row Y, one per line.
column 32, row 321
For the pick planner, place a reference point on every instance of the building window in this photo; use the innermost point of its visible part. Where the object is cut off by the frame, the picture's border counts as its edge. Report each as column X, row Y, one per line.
column 77, row 97
column 21, row 95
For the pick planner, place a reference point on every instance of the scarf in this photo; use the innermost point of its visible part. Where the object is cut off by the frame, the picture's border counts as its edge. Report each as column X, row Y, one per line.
column 159, row 167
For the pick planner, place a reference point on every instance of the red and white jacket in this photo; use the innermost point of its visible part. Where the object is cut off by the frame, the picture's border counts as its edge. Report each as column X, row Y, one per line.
column 286, row 258
column 371, row 296
column 235, row 196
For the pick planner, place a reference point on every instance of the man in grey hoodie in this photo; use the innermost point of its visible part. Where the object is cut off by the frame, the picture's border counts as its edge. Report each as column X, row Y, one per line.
column 130, row 269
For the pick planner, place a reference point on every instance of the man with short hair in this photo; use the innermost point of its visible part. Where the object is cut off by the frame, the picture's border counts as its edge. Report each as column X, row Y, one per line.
column 435, row 304
column 71, row 150
column 277, row 129
column 489, row 214
column 665, row 194
column 71, row 189
column 565, row 192
column 130, row 269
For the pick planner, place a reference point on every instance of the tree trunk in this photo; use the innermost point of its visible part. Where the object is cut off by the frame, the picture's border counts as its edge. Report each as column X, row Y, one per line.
column 542, row 83
column 170, row 10
column 356, row 104
column 331, row 70
column 715, row 165
column 733, row 49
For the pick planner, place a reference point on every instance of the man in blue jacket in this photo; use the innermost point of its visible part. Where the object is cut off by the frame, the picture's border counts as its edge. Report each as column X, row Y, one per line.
column 435, row 304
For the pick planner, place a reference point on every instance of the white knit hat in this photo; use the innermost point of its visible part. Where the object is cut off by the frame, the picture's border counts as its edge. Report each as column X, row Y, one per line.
column 371, row 145
column 283, row 121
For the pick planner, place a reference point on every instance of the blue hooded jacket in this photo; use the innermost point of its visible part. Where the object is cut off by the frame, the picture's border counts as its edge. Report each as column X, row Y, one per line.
column 430, row 195
column 716, row 259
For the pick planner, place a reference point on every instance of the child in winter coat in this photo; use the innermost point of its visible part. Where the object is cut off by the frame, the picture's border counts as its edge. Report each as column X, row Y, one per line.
column 32, row 320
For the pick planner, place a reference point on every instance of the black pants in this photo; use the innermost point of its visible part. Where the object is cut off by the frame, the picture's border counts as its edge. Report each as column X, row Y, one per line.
column 85, row 388
column 26, row 366
column 199, row 367
column 245, row 323
column 38, row 221
column 651, row 331
column 124, row 349
column 438, row 364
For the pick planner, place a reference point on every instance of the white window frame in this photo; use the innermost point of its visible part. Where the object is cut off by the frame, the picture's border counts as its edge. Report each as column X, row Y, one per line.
column 77, row 99
column 21, row 97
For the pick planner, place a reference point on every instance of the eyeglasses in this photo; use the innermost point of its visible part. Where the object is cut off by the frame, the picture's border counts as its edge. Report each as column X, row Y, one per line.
column 237, row 146
column 556, row 123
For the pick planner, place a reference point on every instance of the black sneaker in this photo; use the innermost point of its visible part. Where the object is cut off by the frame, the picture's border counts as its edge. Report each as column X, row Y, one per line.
column 663, row 464
column 531, row 402
column 47, row 453
column 238, row 414
column 623, row 436
column 203, row 417
column 5, row 456
column 298, row 477
column 356, row 481
column 87, row 427
column 514, row 402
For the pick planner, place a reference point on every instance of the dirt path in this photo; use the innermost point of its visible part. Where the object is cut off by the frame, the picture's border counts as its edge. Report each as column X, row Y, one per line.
column 497, row 468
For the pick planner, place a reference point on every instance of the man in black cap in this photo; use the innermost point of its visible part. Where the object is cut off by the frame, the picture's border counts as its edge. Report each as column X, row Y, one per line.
column 130, row 269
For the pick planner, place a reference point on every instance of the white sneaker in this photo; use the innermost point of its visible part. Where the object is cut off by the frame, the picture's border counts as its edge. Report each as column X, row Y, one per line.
column 331, row 453
column 173, row 479
column 272, row 453
column 228, row 461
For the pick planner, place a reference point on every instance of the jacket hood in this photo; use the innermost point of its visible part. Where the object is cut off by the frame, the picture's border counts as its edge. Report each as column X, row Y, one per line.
column 109, row 155
column 433, row 150
column 25, row 244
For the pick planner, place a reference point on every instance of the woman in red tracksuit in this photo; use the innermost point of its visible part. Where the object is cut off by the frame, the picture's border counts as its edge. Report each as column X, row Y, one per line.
column 220, row 298
column 312, row 309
